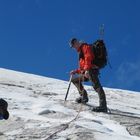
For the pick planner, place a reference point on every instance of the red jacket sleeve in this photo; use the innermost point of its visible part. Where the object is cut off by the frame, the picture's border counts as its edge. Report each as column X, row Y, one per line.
column 88, row 57
column 78, row 71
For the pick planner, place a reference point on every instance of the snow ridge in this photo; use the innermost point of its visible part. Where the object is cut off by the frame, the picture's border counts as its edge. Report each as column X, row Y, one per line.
column 37, row 111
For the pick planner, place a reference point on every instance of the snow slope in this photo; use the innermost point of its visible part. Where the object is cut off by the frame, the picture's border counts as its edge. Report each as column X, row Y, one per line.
column 38, row 112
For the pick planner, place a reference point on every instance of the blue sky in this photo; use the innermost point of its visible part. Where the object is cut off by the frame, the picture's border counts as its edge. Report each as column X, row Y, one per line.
column 34, row 36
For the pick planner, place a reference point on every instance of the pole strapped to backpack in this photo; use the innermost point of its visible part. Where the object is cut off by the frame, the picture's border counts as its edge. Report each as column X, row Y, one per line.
column 101, row 31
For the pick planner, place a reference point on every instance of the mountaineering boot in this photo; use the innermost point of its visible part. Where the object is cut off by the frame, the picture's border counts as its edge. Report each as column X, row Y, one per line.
column 83, row 97
column 99, row 109
column 79, row 99
column 102, row 101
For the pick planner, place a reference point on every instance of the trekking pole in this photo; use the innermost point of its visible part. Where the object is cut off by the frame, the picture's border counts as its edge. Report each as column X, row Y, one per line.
column 68, row 88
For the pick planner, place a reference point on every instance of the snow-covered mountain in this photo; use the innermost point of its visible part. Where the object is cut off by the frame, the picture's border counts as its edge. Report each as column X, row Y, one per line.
column 38, row 112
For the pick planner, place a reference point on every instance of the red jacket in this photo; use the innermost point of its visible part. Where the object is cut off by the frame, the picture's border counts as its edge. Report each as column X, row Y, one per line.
column 86, row 58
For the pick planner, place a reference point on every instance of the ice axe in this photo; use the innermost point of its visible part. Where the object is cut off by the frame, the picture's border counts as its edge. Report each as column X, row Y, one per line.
column 68, row 88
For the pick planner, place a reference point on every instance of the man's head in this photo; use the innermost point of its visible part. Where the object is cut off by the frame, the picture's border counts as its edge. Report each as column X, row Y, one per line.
column 74, row 43
column 3, row 109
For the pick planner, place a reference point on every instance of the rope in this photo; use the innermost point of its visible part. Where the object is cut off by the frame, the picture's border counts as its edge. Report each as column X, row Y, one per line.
column 66, row 125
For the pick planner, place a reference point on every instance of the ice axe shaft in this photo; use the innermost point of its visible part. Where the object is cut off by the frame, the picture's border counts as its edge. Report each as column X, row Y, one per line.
column 68, row 88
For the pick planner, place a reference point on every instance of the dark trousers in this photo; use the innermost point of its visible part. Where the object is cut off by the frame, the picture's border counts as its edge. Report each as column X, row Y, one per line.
column 93, row 77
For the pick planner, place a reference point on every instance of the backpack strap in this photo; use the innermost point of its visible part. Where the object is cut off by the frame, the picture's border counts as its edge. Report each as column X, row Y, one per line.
column 81, row 54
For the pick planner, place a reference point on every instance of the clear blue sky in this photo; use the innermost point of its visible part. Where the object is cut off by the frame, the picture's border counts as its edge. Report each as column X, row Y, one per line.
column 34, row 36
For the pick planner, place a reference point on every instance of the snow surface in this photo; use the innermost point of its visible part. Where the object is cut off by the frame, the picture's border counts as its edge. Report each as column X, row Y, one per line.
column 38, row 112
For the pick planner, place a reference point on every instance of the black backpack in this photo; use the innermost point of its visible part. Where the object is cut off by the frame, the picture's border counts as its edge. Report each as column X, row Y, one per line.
column 100, row 52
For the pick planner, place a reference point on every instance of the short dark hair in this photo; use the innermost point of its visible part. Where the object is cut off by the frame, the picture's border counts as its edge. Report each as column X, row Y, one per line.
column 4, row 106
column 72, row 41
column 3, row 103
column 6, row 115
